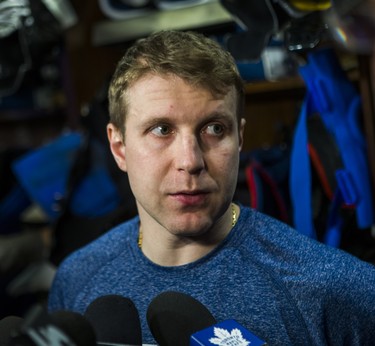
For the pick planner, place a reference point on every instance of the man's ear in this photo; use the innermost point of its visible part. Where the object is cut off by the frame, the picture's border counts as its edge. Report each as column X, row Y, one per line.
column 117, row 145
column 241, row 132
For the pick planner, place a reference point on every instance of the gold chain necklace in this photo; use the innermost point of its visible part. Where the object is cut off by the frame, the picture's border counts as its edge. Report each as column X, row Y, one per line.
column 234, row 221
column 234, row 214
column 140, row 237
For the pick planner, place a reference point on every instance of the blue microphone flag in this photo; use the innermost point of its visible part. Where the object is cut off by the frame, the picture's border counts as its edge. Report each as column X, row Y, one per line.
column 226, row 333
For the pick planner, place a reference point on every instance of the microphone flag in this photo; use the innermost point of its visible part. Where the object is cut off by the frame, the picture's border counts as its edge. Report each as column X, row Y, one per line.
column 226, row 333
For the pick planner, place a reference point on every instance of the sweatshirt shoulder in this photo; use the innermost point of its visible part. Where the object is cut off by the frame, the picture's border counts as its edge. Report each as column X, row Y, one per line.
column 80, row 266
column 106, row 246
column 339, row 285
column 282, row 248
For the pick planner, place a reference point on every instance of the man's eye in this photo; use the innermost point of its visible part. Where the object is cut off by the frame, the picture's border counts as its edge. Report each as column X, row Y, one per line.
column 215, row 129
column 161, row 130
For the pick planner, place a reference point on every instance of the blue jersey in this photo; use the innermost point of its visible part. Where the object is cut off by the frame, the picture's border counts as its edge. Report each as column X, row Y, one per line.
column 284, row 287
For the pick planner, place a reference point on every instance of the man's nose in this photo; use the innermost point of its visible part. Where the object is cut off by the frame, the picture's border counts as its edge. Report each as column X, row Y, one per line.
column 189, row 156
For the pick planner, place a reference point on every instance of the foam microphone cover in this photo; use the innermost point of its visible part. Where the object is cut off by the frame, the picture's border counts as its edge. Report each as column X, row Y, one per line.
column 8, row 325
column 40, row 328
column 76, row 326
column 174, row 316
column 115, row 320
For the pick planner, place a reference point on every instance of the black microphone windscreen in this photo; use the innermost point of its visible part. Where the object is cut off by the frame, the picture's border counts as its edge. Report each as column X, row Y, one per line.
column 174, row 316
column 39, row 328
column 115, row 320
column 8, row 325
column 75, row 326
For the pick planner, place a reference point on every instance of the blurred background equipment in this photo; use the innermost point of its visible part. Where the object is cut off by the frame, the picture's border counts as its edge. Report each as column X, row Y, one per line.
column 352, row 24
column 31, row 36
column 304, row 24
column 261, row 20
column 28, row 32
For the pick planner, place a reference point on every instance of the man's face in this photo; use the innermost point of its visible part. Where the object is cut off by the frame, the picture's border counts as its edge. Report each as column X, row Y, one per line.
column 181, row 153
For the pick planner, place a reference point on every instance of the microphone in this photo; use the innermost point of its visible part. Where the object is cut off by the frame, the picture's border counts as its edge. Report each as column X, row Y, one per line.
column 176, row 318
column 61, row 328
column 8, row 326
column 115, row 320
column 173, row 316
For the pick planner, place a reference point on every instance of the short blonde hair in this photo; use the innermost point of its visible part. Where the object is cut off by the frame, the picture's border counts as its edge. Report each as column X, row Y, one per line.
column 189, row 55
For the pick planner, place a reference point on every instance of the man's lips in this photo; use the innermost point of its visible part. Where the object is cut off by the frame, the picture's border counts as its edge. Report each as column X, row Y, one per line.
column 190, row 197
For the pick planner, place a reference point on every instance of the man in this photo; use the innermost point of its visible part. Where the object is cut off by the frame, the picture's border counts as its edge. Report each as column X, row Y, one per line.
column 176, row 127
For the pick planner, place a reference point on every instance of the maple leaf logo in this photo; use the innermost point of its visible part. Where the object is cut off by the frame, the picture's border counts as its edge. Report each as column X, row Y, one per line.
column 225, row 338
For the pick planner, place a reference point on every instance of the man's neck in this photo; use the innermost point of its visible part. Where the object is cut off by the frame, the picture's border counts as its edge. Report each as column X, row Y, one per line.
column 166, row 249
column 177, row 252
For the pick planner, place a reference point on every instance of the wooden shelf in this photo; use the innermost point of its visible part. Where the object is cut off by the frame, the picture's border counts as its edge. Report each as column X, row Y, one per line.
column 266, row 87
column 287, row 85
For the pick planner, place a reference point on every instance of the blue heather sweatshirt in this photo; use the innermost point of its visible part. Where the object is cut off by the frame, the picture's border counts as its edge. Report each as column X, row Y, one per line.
column 281, row 285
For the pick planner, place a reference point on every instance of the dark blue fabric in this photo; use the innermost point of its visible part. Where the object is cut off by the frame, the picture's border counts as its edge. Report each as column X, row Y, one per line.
column 11, row 208
column 44, row 174
column 268, row 189
column 300, row 176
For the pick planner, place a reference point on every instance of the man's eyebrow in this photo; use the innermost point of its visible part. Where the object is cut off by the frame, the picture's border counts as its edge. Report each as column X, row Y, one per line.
column 218, row 115
column 154, row 121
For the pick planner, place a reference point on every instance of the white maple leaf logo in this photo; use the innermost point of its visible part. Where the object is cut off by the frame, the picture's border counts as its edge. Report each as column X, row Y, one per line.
column 225, row 338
